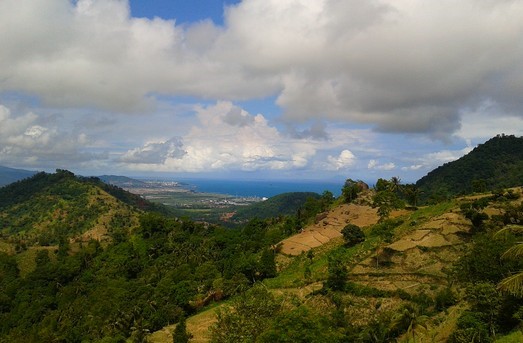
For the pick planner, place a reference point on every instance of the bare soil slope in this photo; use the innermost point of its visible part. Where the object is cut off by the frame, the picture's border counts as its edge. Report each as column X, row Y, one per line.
column 329, row 227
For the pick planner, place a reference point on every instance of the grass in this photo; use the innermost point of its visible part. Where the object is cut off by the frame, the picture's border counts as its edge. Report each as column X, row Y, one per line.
column 514, row 337
column 6, row 247
column 423, row 214
column 198, row 325
column 26, row 260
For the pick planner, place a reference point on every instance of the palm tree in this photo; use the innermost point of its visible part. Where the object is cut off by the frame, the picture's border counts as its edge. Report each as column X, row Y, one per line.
column 410, row 319
column 395, row 184
column 412, row 193
column 512, row 284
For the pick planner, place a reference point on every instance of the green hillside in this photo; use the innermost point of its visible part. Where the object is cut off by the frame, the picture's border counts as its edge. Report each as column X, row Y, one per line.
column 495, row 164
column 77, row 264
column 279, row 205
column 48, row 208
column 112, row 273
column 428, row 275
column 9, row 175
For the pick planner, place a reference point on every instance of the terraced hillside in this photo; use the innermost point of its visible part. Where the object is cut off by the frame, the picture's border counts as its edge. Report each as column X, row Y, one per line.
column 418, row 258
column 328, row 226
column 404, row 269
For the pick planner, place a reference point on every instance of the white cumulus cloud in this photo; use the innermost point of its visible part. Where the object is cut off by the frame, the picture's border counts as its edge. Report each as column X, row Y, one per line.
column 374, row 164
column 26, row 142
column 344, row 160
column 398, row 66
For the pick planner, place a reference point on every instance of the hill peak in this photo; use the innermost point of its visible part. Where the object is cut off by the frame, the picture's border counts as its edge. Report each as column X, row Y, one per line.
column 497, row 163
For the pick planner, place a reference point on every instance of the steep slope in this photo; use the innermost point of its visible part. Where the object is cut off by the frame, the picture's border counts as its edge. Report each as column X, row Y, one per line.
column 10, row 175
column 498, row 163
column 328, row 226
column 401, row 283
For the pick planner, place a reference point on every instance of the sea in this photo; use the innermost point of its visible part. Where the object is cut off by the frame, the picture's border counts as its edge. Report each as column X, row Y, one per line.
column 260, row 188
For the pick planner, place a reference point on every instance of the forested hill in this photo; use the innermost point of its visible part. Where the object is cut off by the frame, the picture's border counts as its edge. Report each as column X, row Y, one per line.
column 47, row 208
column 9, row 175
column 278, row 205
column 77, row 264
column 497, row 163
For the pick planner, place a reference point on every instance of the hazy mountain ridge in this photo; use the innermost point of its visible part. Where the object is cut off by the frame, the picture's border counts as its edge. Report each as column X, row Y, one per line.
column 10, row 175
column 121, row 181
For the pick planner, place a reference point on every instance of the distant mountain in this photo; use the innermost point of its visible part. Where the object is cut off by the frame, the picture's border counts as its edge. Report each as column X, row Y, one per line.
column 497, row 163
column 9, row 175
column 281, row 204
column 121, row 181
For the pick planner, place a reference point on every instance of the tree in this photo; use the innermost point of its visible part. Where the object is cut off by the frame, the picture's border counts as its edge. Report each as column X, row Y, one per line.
column 180, row 334
column 251, row 314
column 485, row 301
column 352, row 234
column 470, row 328
column 513, row 284
column 386, row 198
column 479, row 185
column 351, row 189
column 408, row 319
column 326, row 200
column 382, row 185
column 337, row 273
column 395, row 184
column 412, row 193
column 267, row 266
column 300, row 325
column 384, row 201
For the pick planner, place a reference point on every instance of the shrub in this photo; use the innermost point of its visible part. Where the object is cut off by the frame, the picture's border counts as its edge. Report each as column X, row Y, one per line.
column 352, row 235
column 470, row 328
column 444, row 299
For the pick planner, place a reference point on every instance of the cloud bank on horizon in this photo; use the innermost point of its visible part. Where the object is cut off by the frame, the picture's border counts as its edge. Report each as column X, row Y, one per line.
column 282, row 87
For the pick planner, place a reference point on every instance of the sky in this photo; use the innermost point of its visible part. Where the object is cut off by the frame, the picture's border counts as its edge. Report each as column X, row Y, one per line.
column 256, row 89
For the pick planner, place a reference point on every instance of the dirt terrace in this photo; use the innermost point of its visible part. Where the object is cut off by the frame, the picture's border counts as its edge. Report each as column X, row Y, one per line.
column 329, row 227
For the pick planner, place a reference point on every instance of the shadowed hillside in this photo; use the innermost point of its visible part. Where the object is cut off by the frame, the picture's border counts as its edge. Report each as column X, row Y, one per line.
column 278, row 205
column 498, row 163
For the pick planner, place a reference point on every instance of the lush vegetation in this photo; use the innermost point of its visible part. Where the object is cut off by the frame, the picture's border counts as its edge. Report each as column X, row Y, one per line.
column 47, row 209
column 333, row 313
column 495, row 164
column 144, row 276
column 150, row 269
column 278, row 205
column 165, row 270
